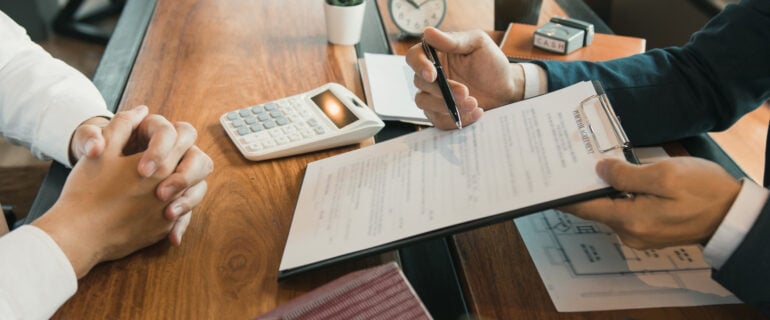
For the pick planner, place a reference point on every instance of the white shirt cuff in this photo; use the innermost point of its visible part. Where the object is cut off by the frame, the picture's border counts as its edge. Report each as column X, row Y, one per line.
column 535, row 80
column 736, row 224
column 36, row 278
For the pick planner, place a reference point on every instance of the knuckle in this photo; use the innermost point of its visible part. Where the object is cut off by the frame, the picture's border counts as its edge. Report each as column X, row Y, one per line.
column 186, row 130
column 165, row 169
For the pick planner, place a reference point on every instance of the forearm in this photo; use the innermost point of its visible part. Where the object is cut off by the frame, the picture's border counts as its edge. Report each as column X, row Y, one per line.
column 663, row 95
column 42, row 99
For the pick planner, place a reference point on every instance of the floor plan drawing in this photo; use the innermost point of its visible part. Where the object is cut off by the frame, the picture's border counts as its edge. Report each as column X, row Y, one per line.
column 584, row 267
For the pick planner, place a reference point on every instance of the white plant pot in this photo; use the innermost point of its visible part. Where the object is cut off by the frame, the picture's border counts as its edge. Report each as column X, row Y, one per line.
column 344, row 24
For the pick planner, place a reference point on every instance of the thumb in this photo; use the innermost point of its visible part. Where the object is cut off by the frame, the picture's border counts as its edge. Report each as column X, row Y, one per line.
column 624, row 176
column 87, row 141
column 119, row 131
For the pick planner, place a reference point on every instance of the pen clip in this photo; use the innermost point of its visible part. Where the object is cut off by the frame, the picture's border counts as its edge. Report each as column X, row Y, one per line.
column 430, row 52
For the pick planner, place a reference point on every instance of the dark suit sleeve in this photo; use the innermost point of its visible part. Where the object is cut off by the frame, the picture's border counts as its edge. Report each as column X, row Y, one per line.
column 722, row 73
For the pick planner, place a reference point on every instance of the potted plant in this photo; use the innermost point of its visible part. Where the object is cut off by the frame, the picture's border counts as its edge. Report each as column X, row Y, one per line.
column 344, row 20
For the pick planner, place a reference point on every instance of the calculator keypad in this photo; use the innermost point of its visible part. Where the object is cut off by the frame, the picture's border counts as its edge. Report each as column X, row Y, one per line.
column 274, row 124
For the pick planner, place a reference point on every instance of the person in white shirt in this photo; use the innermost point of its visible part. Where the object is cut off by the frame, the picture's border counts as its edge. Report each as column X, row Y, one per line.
column 135, row 180
column 661, row 95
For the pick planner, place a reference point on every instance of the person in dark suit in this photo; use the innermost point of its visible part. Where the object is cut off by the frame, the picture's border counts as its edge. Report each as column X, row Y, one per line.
column 721, row 74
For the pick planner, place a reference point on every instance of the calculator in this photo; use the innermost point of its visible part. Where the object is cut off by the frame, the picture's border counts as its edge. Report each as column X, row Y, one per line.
column 326, row 117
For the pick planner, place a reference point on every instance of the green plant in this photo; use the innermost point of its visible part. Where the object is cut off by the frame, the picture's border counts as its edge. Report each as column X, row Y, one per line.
column 344, row 3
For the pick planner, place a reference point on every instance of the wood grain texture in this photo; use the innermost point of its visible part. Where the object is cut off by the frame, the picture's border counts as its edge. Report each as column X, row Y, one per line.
column 200, row 59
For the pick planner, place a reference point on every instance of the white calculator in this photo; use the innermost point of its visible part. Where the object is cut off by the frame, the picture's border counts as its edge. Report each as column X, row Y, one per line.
column 326, row 117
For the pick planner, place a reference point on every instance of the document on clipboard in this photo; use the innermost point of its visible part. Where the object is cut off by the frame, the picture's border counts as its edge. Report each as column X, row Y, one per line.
column 517, row 159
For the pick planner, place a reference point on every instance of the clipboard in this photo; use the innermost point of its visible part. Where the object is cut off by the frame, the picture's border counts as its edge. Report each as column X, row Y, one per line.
column 601, row 127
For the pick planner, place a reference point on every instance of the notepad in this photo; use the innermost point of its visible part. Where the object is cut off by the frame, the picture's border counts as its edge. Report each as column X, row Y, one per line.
column 389, row 87
column 517, row 159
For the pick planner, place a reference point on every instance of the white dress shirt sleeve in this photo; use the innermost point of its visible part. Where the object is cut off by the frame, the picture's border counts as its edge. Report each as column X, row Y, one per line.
column 736, row 224
column 42, row 99
column 36, row 278
column 535, row 80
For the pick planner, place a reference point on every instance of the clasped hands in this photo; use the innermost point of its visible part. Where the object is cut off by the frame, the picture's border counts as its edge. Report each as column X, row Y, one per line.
column 136, row 180
column 678, row 201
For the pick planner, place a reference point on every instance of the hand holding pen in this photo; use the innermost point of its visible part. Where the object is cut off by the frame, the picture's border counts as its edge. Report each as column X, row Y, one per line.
column 475, row 69
column 443, row 84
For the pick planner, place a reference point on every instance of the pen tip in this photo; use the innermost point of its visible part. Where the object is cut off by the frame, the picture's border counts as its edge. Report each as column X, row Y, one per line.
column 459, row 125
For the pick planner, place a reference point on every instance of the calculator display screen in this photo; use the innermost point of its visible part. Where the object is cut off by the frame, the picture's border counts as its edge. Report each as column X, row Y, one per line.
column 334, row 109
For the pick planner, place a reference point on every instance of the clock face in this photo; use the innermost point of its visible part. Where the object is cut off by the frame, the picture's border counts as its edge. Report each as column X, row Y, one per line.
column 412, row 16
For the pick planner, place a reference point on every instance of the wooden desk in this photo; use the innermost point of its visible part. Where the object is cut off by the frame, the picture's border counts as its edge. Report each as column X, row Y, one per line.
column 200, row 59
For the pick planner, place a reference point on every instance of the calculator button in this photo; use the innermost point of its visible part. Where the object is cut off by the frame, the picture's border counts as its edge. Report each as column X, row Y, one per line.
column 276, row 133
column 268, row 143
column 257, row 109
column 263, row 117
column 243, row 131
column 268, row 124
column 319, row 130
column 232, row 115
column 289, row 129
column 312, row 122
column 305, row 133
column 255, row 127
column 294, row 136
column 271, row 107
column 276, row 114
column 237, row 123
column 255, row 147
column 282, row 140
column 250, row 120
column 244, row 112
column 281, row 121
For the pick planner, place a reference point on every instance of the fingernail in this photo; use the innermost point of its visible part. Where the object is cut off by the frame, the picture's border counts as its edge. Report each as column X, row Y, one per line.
column 601, row 169
column 149, row 168
column 168, row 191
column 426, row 74
column 177, row 210
column 468, row 104
column 179, row 234
column 88, row 146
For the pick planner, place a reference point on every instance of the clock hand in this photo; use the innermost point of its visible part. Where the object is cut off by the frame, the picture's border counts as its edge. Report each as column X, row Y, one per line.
column 424, row 2
column 414, row 4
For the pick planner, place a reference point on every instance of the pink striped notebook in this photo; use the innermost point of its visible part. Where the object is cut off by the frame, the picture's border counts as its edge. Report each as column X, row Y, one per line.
column 381, row 292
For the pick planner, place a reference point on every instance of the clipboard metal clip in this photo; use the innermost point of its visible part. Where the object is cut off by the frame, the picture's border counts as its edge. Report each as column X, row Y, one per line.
column 604, row 119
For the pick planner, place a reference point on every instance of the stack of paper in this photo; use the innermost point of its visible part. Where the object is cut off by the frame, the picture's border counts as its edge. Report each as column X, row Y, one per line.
column 389, row 86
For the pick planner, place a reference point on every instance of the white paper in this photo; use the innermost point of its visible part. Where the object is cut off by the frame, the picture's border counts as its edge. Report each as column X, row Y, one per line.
column 585, row 267
column 516, row 156
column 389, row 84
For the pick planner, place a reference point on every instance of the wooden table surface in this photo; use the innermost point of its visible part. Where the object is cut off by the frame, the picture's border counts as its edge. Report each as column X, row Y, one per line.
column 202, row 58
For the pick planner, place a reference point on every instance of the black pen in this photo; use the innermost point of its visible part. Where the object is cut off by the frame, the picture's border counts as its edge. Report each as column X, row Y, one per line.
column 446, row 92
